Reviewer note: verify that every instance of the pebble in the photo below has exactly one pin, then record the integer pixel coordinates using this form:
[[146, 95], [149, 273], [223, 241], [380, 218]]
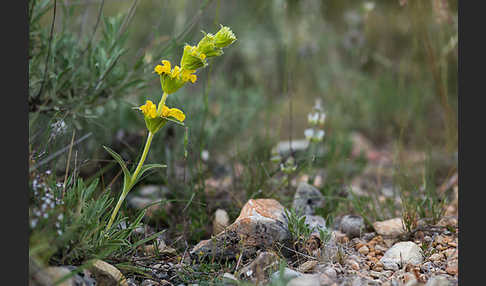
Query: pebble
[[390, 228], [307, 266], [364, 250], [309, 280], [452, 267], [287, 274], [107, 274], [438, 281], [351, 225], [307, 199], [436, 257], [354, 265], [330, 272], [402, 253], [221, 220]]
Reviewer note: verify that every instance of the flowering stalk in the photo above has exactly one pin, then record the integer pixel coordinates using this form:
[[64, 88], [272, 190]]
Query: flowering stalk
[[171, 80], [127, 188]]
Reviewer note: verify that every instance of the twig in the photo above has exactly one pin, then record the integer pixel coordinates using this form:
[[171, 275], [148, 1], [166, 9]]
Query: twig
[[100, 11], [67, 164], [48, 159], [48, 52]]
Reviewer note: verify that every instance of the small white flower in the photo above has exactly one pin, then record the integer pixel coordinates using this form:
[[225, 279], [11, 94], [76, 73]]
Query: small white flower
[[312, 118], [205, 155], [59, 232], [320, 135], [45, 215], [33, 223], [322, 118], [369, 6], [60, 216], [309, 133]]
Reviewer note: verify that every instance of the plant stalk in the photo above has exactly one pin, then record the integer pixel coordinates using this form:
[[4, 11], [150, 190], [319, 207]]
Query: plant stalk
[[128, 187]]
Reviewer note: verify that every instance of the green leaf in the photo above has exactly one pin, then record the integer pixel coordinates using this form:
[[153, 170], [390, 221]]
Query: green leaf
[[120, 161], [146, 168]]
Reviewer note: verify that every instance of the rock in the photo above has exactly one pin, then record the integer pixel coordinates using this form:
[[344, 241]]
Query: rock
[[402, 253], [263, 262], [148, 282], [307, 266], [436, 257], [448, 221], [353, 264], [389, 228], [306, 199], [261, 223], [162, 248], [221, 220], [310, 280], [364, 250], [330, 272], [412, 282], [107, 274], [452, 267], [229, 276], [287, 274], [316, 222], [57, 273], [438, 281], [351, 225]]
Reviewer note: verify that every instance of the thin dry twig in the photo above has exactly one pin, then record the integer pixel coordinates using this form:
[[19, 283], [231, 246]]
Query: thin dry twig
[[67, 163]]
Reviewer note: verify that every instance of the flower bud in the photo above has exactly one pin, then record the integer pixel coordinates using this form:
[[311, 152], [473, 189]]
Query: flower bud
[[224, 37], [192, 58], [208, 47]]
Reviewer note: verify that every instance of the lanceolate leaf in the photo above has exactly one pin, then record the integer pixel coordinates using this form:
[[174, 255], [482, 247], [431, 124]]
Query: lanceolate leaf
[[120, 161], [146, 168]]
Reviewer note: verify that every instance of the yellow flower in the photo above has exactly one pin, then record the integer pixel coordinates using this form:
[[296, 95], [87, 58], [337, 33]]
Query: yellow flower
[[187, 75], [175, 72], [173, 112], [149, 109], [163, 69]]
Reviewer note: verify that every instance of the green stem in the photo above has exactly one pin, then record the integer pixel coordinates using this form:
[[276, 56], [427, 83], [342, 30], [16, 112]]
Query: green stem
[[128, 187], [161, 103]]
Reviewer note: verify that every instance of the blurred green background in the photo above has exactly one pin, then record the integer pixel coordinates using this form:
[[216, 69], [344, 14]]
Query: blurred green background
[[386, 69]]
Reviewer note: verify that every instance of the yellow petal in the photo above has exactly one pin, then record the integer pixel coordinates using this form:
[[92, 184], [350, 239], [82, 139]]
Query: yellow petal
[[165, 111], [177, 114], [175, 72], [193, 78], [159, 69], [149, 109]]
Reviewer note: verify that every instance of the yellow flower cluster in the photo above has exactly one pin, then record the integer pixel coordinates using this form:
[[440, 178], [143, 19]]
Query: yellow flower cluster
[[193, 58], [176, 72], [149, 109]]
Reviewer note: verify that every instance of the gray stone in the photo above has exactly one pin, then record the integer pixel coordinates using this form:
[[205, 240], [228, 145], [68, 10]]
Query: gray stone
[[316, 222], [389, 228], [107, 274], [229, 276], [307, 198], [402, 253], [310, 280], [261, 224], [287, 274], [330, 272], [438, 281], [351, 225], [263, 261]]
